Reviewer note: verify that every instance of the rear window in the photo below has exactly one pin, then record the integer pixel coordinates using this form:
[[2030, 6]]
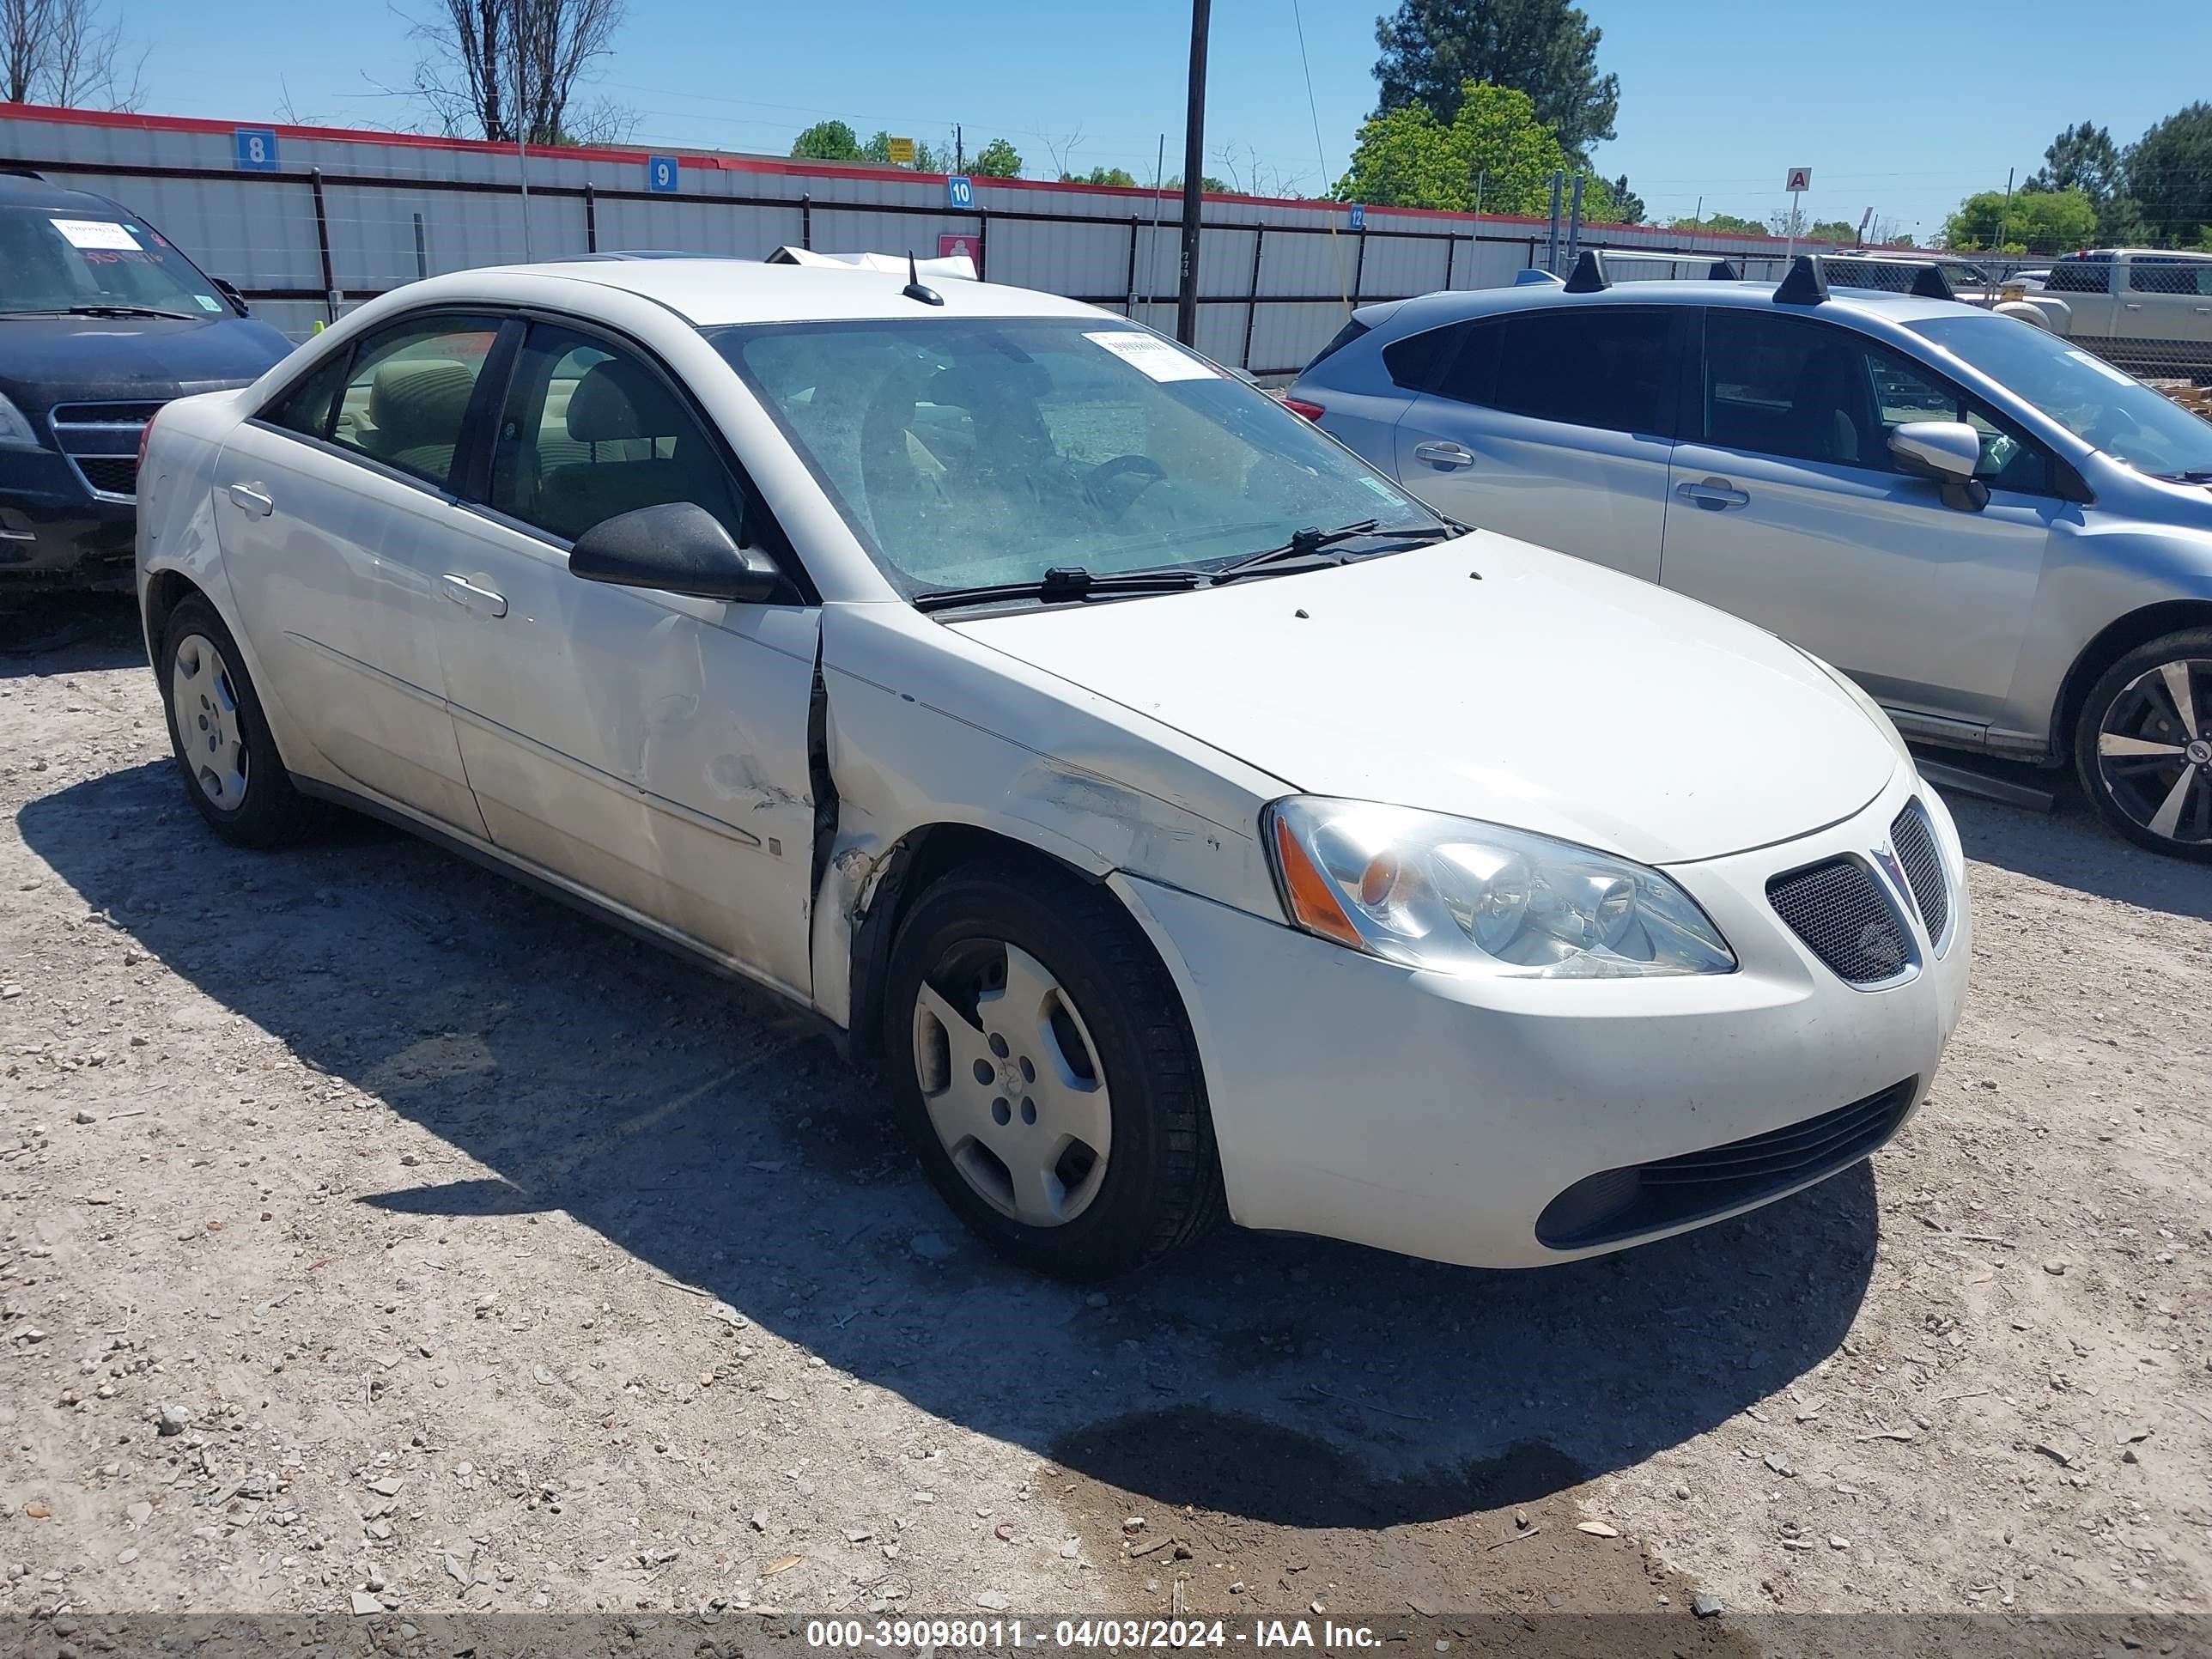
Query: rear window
[[2078, 276], [1343, 337], [1418, 362], [1593, 366]]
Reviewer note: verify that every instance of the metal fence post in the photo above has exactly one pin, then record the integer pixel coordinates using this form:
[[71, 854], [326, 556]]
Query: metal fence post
[[323, 242], [806, 218], [1131, 309], [1359, 266], [591, 219], [1252, 307], [1451, 251]]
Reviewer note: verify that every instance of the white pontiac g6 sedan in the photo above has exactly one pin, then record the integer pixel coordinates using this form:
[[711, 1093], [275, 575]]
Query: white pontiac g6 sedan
[[1190, 820]]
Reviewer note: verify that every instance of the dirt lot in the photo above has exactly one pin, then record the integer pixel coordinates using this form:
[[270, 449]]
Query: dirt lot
[[479, 1257]]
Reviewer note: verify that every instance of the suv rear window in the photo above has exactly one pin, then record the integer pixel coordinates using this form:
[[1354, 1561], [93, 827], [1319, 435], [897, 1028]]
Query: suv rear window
[[1418, 362], [1343, 337]]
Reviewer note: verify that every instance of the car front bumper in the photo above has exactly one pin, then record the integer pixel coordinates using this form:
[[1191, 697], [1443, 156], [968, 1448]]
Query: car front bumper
[[55, 533], [1441, 1117]]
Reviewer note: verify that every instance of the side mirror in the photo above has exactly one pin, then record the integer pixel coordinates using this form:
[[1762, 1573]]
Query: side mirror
[[229, 291], [678, 547], [1947, 452]]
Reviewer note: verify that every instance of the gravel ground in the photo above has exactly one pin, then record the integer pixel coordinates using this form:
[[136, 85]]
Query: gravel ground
[[378, 1235]]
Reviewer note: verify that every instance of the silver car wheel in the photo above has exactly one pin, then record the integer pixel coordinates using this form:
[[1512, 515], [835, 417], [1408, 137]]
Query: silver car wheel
[[1013, 1084], [204, 704], [2154, 750]]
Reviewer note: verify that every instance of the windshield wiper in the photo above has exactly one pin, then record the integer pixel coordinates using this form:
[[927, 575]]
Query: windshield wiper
[[1309, 542], [1063, 584], [2194, 475], [101, 310]]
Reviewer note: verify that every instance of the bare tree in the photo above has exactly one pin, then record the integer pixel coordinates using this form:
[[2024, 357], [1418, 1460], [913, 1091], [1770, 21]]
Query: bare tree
[[60, 51], [501, 69]]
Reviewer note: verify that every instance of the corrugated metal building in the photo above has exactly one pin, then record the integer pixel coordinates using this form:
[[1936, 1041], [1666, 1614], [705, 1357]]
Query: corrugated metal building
[[308, 221]]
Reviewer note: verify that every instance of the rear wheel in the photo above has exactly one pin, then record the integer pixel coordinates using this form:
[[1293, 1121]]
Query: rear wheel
[[1046, 1074], [231, 768], [2144, 746]]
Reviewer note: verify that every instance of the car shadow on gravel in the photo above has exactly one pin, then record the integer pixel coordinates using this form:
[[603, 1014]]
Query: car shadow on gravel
[[68, 633], [718, 1140], [2070, 847]]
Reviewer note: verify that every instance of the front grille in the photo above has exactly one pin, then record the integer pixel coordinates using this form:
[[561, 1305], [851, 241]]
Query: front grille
[[1914, 838], [1646, 1198], [1839, 910], [101, 441], [112, 475]]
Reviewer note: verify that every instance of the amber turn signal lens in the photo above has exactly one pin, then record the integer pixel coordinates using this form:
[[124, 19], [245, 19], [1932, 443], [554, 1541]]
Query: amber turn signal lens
[[1313, 903]]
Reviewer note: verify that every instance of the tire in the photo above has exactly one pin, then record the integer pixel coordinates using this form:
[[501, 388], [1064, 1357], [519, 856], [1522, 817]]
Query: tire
[[979, 935], [2150, 778], [226, 756]]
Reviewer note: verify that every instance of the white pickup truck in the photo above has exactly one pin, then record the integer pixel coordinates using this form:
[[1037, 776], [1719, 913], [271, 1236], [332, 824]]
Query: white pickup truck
[[2148, 311]]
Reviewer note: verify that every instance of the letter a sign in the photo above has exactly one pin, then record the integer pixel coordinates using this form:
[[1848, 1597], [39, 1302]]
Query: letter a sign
[[1800, 179]]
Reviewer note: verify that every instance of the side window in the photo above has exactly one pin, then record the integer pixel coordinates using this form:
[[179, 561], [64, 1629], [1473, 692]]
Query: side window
[[312, 404], [1593, 366], [407, 391], [1789, 386], [2147, 276], [2079, 277], [590, 432], [1419, 361]]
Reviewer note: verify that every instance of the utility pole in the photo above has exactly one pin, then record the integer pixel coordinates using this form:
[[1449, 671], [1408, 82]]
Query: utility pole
[[959, 151], [522, 156], [1193, 172], [2004, 219]]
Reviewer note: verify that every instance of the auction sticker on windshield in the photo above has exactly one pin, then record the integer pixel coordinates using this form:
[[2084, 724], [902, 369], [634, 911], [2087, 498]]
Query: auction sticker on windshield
[[95, 233], [1153, 354]]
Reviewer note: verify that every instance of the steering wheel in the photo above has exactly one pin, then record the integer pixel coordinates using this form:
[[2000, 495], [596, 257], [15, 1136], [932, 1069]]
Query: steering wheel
[[1122, 466]]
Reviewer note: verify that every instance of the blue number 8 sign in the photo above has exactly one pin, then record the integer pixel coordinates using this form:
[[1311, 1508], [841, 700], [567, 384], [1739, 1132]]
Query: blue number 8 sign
[[661, 174], [257, 149]]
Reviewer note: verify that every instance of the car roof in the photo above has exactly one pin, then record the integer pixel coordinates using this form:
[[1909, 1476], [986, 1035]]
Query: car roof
[[23, 189], [708, 292], [1431, 309]]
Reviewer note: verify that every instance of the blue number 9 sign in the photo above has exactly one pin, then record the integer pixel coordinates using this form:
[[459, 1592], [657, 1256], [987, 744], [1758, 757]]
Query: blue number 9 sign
[[661, 174]]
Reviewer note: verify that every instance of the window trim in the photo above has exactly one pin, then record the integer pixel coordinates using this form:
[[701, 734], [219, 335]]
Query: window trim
[[2059, 469], [775, 540], [447, 492]]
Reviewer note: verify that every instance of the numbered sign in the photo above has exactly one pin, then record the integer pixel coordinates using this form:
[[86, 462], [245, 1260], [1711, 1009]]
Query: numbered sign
[[661, 174], [959, 193], [1800, 179], [257, 149], [1359, 215]]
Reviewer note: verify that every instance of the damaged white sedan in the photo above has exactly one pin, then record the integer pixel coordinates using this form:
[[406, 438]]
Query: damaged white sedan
[[1189, 821]]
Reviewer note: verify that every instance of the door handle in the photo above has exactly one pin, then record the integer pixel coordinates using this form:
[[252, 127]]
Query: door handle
[[2132, 305], [1714, 495], [461, 591], [1436, 453], [249, 497]]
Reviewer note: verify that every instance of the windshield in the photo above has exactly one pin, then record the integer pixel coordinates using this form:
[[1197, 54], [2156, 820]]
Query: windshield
[[55, 258], [965, 452], [2085, 394]]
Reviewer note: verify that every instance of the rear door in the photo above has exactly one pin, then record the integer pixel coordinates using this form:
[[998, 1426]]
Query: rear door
[[335, 512], [648, 747], [2165, 311], [1554, 424], [1787, 510]]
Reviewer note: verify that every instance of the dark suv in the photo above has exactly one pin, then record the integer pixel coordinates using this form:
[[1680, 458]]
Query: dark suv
[[102, 321]]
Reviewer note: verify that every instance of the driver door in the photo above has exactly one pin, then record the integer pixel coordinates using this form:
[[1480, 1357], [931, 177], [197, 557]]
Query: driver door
[[1786, 509], [648, 748]]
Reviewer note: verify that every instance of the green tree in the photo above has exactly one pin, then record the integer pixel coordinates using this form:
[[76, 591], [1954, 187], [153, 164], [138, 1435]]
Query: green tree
[[1406, 157], [1172, 184], [1100, 176], [1832, 230], [1721, 224], [828, 140], [1546, 49], [2086, 159], [997, 159], [2169, 174], [1627, 205], [2035, 221]]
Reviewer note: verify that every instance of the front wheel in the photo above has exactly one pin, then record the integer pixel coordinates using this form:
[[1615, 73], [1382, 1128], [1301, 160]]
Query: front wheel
[[1046, 1075], [2144, 746]]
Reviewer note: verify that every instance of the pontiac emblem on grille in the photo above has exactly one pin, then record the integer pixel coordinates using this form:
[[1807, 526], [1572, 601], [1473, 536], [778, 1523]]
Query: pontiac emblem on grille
[[1887, 857]]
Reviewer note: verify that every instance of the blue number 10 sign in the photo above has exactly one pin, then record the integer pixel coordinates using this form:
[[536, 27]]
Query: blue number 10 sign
[[661, 174], [959, 193]]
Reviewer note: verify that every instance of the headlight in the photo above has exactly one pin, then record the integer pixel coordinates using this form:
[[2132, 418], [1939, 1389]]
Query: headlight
[[1873, 710], [1457, 896], [15, 432]]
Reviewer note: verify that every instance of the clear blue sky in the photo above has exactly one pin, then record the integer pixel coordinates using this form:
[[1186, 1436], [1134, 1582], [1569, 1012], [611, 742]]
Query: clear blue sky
[[1902, 107]]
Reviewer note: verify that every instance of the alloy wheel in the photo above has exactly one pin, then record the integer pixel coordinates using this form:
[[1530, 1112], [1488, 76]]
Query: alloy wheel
[[1012, 1082], [205, 704], [2154, 750]]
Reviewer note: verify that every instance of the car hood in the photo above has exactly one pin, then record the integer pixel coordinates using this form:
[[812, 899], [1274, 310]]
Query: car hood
[[45, 361], [1549, 694]]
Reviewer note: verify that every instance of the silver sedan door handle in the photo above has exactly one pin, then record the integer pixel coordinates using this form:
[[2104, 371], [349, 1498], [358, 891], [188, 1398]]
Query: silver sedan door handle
[[1715, 495], [249, 497], [461, 591], [1447, 455]]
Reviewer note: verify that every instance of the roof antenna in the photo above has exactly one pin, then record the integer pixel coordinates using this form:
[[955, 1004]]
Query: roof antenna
[[914, 289]]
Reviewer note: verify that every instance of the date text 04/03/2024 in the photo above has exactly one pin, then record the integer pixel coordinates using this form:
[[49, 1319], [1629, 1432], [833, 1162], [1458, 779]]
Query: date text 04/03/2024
[[1109, 1635]]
